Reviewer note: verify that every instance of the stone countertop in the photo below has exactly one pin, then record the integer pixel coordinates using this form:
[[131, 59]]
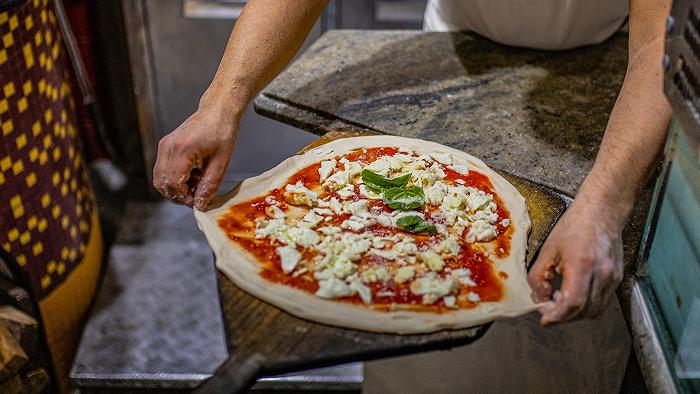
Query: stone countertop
[[539, 115]]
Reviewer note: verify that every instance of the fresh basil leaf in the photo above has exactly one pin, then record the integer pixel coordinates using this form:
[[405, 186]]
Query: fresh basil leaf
[[424, 227], [404, 198], [374, 187], [374, 180], [415, 224], [408, 222]]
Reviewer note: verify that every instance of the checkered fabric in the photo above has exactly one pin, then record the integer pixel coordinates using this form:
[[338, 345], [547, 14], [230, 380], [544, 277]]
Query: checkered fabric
[[45, 198]]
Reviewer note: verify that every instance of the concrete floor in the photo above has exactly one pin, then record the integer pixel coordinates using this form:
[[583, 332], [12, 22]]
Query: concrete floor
[[517, 356]]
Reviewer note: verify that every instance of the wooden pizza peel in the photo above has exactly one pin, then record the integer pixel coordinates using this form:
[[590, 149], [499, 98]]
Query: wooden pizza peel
[[263, 340]]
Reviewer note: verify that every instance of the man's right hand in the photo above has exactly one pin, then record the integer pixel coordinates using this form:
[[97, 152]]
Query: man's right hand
[[192, 159]]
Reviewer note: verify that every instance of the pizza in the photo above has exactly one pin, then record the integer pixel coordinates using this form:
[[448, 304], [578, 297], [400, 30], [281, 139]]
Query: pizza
[[378, 233]]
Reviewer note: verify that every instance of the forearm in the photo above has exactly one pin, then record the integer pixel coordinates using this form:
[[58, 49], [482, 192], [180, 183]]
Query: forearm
[[265, 38], [634, 136]]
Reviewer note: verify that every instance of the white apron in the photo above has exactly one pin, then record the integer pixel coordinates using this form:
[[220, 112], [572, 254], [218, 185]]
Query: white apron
[[540, 24]]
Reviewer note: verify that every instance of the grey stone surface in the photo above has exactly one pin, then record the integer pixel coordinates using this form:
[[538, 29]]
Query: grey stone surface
[[539, 115]]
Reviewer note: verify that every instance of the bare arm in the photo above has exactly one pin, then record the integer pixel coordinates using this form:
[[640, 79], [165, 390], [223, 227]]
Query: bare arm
[[192, 159], [586, 246], [637, 127]]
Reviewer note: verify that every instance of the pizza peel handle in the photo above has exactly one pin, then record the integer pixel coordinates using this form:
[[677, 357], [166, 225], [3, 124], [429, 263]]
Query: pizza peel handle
[[234, 375]]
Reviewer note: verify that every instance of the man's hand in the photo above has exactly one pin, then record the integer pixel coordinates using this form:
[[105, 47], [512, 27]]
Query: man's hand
[[585, 247], [193, 158]]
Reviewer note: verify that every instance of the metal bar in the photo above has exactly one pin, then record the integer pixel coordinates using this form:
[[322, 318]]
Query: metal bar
[[657, 373], [135, 20]]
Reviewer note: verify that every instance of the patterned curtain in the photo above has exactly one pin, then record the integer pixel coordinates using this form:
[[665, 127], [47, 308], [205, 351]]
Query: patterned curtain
[[48, 219]]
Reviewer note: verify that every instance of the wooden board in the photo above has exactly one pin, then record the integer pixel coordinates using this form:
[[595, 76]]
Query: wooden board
[[264, 340]]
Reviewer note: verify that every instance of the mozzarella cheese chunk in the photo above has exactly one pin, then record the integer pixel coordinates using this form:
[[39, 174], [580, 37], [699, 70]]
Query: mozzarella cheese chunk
[[406, 247], [275, 229], [298, 194], [449, 246], [336, 181], [303, 236], [330, 230], [385, 165], [326, 169], [373, 274], [274, 212], [363, 291], [435, 193], [481, 230], [415, 165], [333, 288], [463, 276], [432, 260], [322, 211], [353, 225], [335, 205], [490, 217], [346, 192], [385, 219], [342, 267], [450, 301], [271, 200], [432, 288], [310, 220], [355, 245], [289, 257], [426, 178], [442, 158], [473, 297], [404, 274], [385, 254], [357, 208], [461, 168], [353, 168], [477, 199]]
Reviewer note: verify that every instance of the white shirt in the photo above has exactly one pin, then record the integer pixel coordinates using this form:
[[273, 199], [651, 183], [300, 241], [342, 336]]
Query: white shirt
[[540, 24]]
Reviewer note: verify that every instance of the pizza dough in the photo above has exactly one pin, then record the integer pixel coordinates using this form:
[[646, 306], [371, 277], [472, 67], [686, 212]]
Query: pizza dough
[[239, 266]]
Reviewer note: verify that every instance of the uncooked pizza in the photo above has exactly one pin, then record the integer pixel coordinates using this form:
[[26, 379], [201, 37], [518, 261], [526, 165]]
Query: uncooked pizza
[[380, 233]]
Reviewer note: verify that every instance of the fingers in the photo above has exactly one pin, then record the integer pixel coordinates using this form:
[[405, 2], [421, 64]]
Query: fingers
[[607, 276], [542, 273], [572, 299], [172, 171], [210, 181]]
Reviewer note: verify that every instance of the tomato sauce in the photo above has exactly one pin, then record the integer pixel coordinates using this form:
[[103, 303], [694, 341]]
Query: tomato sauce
[[369, 155], [240, 221]]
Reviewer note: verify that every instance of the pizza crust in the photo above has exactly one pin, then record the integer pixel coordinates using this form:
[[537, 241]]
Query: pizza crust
[[243, 271]]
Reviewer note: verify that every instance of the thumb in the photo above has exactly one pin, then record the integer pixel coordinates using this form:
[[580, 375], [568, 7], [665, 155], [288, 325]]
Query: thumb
[[210, 181]]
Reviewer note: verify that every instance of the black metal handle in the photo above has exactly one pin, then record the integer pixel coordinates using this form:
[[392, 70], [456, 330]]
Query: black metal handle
[[235, 375]]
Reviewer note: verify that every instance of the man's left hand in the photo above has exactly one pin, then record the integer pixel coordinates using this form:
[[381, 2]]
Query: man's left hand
[[585, 247]]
